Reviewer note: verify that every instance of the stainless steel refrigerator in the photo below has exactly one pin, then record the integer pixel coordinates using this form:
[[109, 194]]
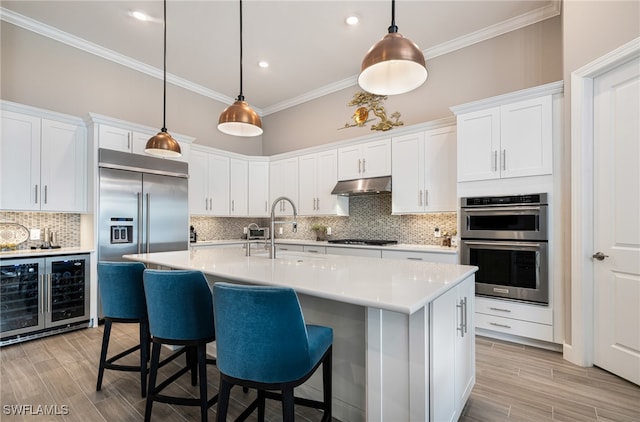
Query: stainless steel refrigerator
[[143, 205]]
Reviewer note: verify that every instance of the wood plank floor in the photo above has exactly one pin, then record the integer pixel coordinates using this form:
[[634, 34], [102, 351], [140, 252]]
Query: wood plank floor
[[514, 382]]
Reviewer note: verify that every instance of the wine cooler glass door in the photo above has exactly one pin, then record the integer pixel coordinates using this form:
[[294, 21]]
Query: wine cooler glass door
[[21, 296]]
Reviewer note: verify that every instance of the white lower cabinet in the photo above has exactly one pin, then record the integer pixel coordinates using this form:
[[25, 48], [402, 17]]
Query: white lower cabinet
[[519, 319], [447, 258], [369, 253], [452, 346], [315, 249]]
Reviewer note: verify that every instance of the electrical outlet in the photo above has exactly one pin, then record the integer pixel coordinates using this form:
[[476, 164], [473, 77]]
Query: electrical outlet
[[280, 230], [34, 234], [436, 232], [329, 231]]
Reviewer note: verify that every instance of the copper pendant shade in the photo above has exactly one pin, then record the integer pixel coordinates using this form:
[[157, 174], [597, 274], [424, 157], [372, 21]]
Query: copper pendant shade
[[239, 119], [394, 65], [163, 144]]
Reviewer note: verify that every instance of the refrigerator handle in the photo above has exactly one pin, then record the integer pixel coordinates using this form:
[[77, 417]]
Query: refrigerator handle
[[139, 196], [148, 226]]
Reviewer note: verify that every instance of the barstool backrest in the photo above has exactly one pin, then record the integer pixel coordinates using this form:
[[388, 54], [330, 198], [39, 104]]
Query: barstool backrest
[[179, 305], [261, 333], [121, 289]]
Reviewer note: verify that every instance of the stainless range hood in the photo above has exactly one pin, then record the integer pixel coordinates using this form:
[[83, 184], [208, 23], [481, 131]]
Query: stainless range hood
[[369, 186]]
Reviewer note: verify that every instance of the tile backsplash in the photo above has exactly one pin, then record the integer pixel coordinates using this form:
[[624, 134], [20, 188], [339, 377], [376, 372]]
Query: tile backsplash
[[66, 226], [369, 218]]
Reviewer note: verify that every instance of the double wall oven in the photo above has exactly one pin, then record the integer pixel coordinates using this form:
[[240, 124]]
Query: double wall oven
[[506, 237]]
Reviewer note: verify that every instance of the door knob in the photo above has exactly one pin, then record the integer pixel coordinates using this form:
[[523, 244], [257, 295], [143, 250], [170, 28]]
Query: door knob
[[599, 256]]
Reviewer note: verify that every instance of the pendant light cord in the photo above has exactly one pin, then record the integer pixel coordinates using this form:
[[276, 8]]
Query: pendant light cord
[[393, 28], [164, 93], [240, 97]]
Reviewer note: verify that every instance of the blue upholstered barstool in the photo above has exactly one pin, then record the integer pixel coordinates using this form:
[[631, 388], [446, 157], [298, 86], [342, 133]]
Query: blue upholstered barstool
[[263, 343], [180, 310], [122, 297]]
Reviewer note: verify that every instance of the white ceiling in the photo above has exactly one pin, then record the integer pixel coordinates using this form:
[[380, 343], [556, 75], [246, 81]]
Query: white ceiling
[[311, 50]]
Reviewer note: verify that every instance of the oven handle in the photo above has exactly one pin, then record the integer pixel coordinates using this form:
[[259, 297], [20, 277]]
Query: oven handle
[[500, 209], [500, 243]]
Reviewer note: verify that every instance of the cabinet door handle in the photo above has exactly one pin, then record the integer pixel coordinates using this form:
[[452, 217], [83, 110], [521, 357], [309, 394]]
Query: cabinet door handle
[[233, 205], [129, 141], [420, 197], [283, 249], [139, 198], [414, 258], [317, 204], [313, 251], [46, 196], [206, 204], [426, 197], [36, 194], [499, 325], [460, 326], [265, 206], [465, 315], [504, 160], [494, 160], [49, 296], [148, 230], [364, 165], [359, 165], [499, 309], [210, 204]]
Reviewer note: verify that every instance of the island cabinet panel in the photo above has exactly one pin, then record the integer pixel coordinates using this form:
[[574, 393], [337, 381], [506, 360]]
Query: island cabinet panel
[[453, 351]]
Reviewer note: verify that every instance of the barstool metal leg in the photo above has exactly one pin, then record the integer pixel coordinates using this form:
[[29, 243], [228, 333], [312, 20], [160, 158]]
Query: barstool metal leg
[[202, 365], [144, 356], [287, 404], [326, 384]]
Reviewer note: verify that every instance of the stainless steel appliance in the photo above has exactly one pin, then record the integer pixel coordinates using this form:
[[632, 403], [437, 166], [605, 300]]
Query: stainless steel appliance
[[370, 242], [258, 233], [143, 205], [506, 237], [43, 296]]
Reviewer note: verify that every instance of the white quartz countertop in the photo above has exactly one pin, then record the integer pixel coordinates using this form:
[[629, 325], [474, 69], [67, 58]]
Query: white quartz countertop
[[398, 247], [28, 253], [400, 286]]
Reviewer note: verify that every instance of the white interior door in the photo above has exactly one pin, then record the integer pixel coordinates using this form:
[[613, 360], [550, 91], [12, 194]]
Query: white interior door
[[617, 221]]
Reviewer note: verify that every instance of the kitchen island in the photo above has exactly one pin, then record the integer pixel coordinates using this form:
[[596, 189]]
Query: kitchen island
[[404, 344]]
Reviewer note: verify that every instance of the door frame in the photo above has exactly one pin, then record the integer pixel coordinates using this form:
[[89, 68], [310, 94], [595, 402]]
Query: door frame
[[580, 350]]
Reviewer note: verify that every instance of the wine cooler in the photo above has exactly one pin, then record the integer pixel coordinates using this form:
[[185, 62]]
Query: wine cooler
[[43, 296]]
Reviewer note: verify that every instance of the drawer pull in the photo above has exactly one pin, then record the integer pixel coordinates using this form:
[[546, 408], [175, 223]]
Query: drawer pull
[[500, 325], [413, 258], [500, 309]]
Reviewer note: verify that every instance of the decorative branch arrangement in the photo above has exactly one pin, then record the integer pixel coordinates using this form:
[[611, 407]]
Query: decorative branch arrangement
[[372, 103]]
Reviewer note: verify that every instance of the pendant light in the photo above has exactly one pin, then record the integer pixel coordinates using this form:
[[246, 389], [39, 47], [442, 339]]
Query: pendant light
[[239, 119], [163, 144], [394, 65]]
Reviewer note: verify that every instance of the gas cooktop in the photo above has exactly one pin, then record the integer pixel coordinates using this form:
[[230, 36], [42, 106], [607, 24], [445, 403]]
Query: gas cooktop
[[372, 242]]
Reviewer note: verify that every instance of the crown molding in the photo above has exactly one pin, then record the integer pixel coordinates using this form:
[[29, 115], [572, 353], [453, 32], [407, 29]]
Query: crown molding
[[484, 34]]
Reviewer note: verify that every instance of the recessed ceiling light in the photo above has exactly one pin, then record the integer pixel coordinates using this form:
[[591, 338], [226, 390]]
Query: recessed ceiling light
[[263, 64], [141, 16], [352, 20]]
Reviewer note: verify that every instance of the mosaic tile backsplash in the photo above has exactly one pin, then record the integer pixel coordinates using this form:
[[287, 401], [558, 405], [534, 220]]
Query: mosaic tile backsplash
[[66, 226], [369, 218]]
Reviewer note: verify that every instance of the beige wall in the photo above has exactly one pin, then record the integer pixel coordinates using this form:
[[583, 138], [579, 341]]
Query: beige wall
[[521, 59], [44, 73]]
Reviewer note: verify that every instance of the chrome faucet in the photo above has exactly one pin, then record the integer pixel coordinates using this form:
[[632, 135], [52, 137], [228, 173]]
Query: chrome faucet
[[272, 250], [248, 245]]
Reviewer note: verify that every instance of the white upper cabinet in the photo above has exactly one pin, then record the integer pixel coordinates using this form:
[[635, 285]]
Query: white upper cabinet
[[283, 181], [509, 140], [424, 172], [318, 174], [239, 187], [370, 159], [123, 136], [43, 163], [259, 188], [208, 184]]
